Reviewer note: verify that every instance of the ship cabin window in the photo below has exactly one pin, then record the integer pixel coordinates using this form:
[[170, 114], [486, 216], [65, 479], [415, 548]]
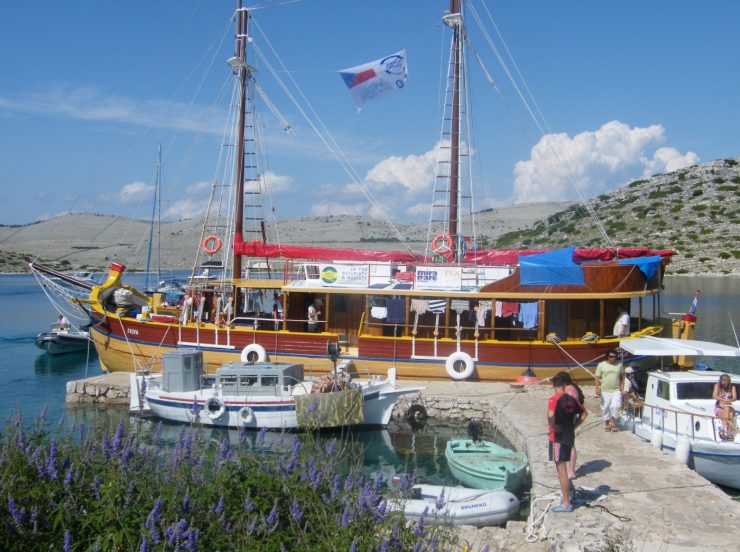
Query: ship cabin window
[[664, 390], [694, 390], [248, 381], [228, 384], [270, 381]]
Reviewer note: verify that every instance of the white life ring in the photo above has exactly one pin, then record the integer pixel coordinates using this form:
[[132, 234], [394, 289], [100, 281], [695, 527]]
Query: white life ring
[[214, 408], [457, 360], [245, 415], [249, 352]]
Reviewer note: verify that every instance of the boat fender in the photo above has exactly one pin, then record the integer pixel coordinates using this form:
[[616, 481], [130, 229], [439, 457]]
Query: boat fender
[[253, 353], [214, 408], [211, 244], [442, 244], [416, 415], [683, 450], [459, 366], [245, 415], [656, 439]]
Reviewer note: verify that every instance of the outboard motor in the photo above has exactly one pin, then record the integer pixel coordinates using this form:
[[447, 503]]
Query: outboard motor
[[475, 431]]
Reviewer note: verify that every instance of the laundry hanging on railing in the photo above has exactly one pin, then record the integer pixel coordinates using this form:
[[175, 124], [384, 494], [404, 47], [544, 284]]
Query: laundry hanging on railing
[[459, 305], [396, 310], [379, 312], [437, 306], [419, 305], [528, 315]]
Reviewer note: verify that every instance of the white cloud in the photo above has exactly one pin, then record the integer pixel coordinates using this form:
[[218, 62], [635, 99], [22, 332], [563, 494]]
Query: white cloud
[[186, 208], [91, 104], [415, 173], [594, 161], [668, 160], [272, 182], [136, 192]]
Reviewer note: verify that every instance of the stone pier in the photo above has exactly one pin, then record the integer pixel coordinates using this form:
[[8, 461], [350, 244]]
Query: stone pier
[[106, 389]]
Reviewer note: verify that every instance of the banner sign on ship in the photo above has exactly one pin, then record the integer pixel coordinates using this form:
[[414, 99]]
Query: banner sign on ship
[[438, 278], [342, 275], [376, 79]]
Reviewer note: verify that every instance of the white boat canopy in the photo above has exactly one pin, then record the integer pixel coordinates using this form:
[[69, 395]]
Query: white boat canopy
[[664, 346]]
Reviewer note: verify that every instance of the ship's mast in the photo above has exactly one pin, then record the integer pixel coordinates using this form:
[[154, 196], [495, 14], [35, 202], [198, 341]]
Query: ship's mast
[[455, 19], [239, 64]]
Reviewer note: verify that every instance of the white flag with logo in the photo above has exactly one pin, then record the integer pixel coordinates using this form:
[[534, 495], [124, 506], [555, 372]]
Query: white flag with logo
[[376, 79]]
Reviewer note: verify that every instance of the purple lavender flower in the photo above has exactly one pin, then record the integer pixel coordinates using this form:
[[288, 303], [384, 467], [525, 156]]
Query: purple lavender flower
[[220, 506], [144, 545], [249, 505], [118, 437], [295, 512], [153, 518], [158, 432], [353, 547], [67, 541], [15, 513], [69, 478], [419, 528], [51, 461], [440, 500], [96, 487], [313, 406], [380, 512], [349, 482], [260, 437], [191, 536], [331, 446], [34, 518], [384, 546], [418, 547], [345, 518], [142, 392], [335, 486], [484, 549], [272, 518], [83, 432], [186, 503]]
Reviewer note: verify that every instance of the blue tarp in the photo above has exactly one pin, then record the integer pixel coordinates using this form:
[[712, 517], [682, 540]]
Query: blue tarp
[[647, 265], [550, 269]]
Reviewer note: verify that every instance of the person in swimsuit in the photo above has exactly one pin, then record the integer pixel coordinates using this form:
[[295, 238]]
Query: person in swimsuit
[[725, 394]]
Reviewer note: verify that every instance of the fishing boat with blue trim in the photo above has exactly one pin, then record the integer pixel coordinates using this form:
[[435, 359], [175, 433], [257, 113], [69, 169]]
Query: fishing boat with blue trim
[[271, 395]]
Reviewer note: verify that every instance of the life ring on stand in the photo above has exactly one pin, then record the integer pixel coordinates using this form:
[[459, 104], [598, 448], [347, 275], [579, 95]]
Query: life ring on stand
[[212, 249], [442, 244], [253, 353], [214, 408], [245, 415], [459, 365]]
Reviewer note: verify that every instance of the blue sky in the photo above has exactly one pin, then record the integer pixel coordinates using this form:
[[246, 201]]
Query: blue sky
[[89, 89]]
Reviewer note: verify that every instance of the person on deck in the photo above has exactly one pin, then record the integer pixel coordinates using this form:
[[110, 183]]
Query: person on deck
[[609, 382], [564, 415], [725, 394], [314, 313], [277, 310], [622, 325]]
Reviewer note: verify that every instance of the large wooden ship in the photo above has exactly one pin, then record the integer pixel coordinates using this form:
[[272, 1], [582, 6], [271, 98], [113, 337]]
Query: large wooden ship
[[455, 311]]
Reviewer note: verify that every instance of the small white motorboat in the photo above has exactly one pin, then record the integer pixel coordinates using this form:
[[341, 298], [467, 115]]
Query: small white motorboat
[[458, 505], [678, 411], [61, 340], [272, 395]]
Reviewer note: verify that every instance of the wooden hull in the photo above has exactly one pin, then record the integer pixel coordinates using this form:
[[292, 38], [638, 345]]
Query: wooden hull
[[127, 345]]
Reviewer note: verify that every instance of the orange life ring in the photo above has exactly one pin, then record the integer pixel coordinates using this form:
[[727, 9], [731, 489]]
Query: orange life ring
[[442, 243], [217, 244]]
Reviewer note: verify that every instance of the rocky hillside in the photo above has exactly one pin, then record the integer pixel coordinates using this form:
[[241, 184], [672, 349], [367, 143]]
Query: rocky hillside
[[694, 210]]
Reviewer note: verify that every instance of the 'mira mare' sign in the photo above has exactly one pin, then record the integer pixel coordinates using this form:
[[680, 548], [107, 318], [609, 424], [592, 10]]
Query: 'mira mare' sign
[[438, 278]]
